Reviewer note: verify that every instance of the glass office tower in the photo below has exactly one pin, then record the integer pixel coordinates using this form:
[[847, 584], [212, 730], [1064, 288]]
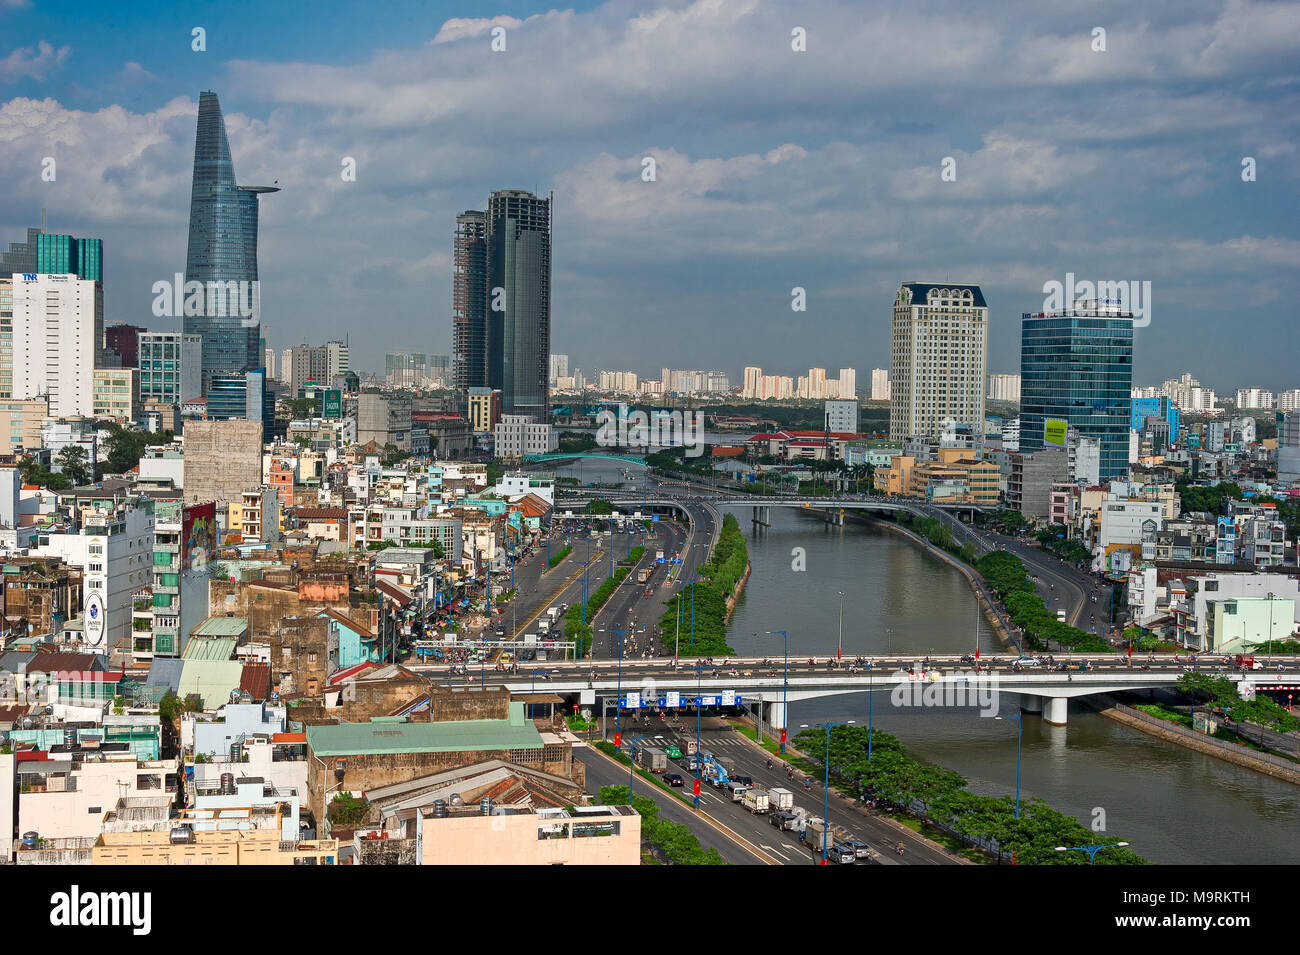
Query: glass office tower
[[222, 249], [519, 328], [1077, 366], [65, 255]]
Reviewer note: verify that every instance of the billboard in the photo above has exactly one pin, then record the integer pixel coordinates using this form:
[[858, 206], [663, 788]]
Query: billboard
[[198, 535], [1054, 431], [333, 403], [95, 621]]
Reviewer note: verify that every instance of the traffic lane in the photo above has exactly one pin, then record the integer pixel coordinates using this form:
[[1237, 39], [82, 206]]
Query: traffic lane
[[601, 772], [1040, 567], [727, 743], [874, 831], [756, 827]]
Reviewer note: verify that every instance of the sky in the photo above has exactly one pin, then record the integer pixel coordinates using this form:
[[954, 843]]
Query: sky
[[917, 140]]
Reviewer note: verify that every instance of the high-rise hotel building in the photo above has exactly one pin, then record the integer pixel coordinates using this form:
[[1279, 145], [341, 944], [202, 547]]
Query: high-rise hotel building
[[939, 360]]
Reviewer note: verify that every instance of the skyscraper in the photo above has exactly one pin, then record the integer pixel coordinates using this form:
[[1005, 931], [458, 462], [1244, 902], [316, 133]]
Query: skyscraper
[[939, 359], [66, 255], [21, 256], [519, 301], [222, 249], [469, 303], [501, 301], [1076, 366]]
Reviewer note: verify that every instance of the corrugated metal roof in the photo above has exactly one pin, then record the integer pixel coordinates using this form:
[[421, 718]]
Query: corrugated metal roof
[[212, 680], [388, 737], [210, 648], [221, 627], [164, 671]]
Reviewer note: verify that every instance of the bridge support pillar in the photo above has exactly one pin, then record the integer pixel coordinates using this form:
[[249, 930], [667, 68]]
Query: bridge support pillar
[[1057, 707], [1031, 704], [776, 716]]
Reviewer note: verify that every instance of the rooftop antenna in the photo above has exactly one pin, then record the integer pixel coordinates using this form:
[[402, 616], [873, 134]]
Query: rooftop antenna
[[42, 219]]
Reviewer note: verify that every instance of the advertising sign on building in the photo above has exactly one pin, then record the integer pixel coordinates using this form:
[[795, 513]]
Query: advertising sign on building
[[1054, 431], [198, 535], [95, 621], [333, 403]]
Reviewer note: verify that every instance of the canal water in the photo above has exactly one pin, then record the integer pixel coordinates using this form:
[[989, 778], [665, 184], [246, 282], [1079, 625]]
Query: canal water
[[1172, 804]]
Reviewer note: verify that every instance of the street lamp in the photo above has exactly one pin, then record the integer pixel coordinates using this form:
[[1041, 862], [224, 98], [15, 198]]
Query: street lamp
[[699, 706], [785, 686], [826, 786], [1091, 850], [839, 653], [1020, 726]]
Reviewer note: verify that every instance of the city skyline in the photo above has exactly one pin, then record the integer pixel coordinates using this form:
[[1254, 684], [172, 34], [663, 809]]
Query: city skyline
[[703, 252]]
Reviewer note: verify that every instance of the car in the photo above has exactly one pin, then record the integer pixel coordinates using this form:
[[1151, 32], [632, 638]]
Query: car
[[674, 779], [842, 854], [743, 780], [782, 819], [1025, 662], [672, 752], [860, 849]]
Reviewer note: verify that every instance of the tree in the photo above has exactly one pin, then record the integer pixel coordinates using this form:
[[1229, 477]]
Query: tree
[[73, 462]]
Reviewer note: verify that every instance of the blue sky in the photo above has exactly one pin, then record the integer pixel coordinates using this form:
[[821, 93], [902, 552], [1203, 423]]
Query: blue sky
[[775, 168]]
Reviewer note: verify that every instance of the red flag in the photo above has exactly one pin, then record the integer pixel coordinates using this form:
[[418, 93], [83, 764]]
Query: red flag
[[839, 653], [977, 653], [1130, 651]]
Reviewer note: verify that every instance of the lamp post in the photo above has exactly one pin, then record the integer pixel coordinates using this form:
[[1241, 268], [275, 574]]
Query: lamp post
[[618, 693], [699, 707], [871, 685], [826, 786], [1091, 850], [839, 653], [1019, 733], [785, 686]]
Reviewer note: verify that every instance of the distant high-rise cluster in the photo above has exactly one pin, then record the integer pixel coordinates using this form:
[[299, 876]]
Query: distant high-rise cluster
[[813, 386], [694, 382], [1004, 388], [415, 371], [501, 301]]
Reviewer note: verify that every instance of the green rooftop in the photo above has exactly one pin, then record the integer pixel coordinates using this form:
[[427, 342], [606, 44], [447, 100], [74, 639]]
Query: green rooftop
[[222, 627], [389, 737], [210, 648]]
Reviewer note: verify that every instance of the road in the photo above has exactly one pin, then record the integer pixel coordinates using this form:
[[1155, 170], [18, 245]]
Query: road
[[717, 737], [1062, 586], [602, 772]]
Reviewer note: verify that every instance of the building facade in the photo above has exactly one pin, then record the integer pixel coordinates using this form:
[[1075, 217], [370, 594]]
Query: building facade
[[1076, 366], [58, 335], [939, 359]]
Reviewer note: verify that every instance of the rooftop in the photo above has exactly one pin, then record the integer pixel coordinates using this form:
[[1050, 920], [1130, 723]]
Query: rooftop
[[391, 736]]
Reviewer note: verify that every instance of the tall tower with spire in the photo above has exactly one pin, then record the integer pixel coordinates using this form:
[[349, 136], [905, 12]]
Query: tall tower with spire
[[222, 250]]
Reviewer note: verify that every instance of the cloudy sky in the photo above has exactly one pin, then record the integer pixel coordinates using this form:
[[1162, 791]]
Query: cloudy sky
[[775, 168]]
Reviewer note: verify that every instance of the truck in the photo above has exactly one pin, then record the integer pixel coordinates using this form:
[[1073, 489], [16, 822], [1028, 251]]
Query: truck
[[552, 613], [543, 626], [652, 758], [1060, 615], [1247, 662], [715, 771], [782, 799], [659, 557], [755, 800], [812, 834], [643, 575]]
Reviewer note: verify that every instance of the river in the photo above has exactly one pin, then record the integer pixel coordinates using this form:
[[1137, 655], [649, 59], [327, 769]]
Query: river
[[1174, 805]]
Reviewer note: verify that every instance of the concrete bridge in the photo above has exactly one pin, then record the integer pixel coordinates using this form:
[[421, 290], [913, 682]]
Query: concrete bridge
[[950, 683]]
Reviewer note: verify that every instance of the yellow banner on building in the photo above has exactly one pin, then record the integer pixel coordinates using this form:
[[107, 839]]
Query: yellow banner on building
[[1054, 431]]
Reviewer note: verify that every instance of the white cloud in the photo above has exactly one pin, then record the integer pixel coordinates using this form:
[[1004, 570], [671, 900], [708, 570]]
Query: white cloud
[[36, 62]]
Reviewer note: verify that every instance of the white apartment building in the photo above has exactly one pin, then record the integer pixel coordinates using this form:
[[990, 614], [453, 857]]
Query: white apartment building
[[115, 551], [1288, 400], [1128, 519], [1004, 388], [58, 341], [1011, 434], [848, 384], [625, 381], [939, 359], [842, 416], [521, 435], [880, 384], [1256, 399]]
